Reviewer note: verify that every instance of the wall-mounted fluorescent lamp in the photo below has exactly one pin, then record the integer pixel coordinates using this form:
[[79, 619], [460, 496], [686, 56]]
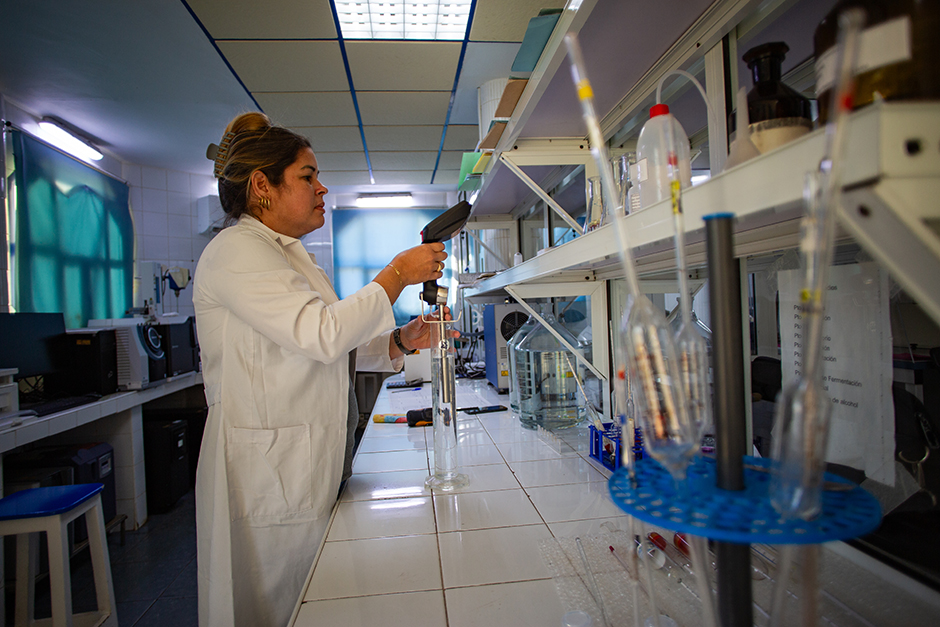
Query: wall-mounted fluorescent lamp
[[50, 131], [385, 201]]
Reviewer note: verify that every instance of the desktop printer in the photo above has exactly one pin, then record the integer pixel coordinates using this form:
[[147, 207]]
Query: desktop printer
[[140, 357]]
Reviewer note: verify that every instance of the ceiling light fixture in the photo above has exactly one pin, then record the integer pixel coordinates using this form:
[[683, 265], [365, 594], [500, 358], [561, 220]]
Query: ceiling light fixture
[[385, 201], [54, 133], [382, 19]]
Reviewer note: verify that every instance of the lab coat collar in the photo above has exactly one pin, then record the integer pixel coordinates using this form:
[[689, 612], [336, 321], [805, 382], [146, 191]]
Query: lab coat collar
[[253, 222]]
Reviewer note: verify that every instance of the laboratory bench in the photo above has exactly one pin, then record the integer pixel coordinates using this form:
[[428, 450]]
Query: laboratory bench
[[116, 419], [397, 554]]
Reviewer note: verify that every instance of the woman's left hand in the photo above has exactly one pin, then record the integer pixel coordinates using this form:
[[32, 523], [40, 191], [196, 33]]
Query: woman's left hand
[[417, 333]]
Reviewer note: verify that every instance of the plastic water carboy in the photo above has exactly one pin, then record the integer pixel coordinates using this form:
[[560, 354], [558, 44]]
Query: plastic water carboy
[[650, 173]]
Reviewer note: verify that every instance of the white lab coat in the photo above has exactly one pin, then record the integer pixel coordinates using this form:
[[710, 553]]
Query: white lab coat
[[274, 340]]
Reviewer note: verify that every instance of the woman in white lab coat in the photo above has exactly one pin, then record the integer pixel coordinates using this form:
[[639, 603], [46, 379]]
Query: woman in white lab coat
[[276, 344]]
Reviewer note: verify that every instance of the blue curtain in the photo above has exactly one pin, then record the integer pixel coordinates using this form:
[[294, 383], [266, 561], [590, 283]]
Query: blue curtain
[[71, 236], [365, 240]]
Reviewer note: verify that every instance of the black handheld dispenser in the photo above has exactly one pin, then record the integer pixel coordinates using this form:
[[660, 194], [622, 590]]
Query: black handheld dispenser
[[441, 229]]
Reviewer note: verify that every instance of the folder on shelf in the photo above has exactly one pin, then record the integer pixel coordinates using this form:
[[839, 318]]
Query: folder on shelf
[[492, 137], [466, 180], [533, 43], [511, 94]]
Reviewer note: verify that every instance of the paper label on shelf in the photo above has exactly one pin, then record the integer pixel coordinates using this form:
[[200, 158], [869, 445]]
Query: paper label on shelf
[[639, 171], [879, 45], [857, 364]]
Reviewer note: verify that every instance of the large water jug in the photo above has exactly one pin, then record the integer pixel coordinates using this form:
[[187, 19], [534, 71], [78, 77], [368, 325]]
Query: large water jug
[[545, 373], [517, 337]]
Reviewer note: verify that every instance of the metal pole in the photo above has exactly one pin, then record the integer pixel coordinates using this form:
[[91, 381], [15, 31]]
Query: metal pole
[[724, 279]]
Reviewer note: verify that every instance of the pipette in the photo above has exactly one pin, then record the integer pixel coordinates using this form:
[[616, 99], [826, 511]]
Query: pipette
[[692, 349], [803, 409], [668, 431]]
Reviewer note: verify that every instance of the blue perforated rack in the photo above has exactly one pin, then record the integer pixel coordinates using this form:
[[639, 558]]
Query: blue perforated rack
[[743, 517]]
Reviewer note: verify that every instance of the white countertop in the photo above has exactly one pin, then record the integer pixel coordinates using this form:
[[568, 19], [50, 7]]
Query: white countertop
[[398, 555], [32, 428]]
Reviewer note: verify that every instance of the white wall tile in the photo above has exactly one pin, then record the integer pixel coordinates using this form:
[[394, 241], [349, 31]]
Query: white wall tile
[[153, 200], [178, 203], [135, 199], [179, 248], [177, 181], [180, 226], [155, 223], [155, 248], [153, 178], [203, 185], [131, 174]]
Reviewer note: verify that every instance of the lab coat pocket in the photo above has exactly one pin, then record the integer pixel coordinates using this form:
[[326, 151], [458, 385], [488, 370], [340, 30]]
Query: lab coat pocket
[[269, 472]]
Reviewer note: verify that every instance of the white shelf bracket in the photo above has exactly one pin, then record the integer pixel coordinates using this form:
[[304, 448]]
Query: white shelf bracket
[[512, 292], [541, 193]]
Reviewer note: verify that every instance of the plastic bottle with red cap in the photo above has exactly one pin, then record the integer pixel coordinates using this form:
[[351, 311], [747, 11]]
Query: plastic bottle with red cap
[[650, 172]]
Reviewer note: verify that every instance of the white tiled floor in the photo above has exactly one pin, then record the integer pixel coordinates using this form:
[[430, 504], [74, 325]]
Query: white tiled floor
[[395, 552]]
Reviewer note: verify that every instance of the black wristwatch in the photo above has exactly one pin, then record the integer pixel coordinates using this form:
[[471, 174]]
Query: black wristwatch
[[396, 335]]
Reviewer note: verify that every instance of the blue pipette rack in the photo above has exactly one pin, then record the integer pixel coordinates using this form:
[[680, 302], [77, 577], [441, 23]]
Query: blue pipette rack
[[743, 517]]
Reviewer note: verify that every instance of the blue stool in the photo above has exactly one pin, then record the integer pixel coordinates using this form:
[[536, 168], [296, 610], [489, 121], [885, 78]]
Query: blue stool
[[50, 509]]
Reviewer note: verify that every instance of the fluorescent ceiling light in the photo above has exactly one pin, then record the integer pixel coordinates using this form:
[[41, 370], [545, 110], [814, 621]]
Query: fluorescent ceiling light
[[384, 19], [385, 201], [61, 138]]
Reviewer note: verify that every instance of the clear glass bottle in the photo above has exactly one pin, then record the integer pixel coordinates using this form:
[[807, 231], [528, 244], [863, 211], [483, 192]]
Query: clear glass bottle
[[595, 214], [548, 390], [517, 337]]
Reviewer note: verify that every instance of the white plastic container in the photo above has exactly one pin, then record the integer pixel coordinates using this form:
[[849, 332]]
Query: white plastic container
[[650, 173]]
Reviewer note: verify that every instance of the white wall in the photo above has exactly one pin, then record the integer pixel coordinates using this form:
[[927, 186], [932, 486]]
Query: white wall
[[164, 206]]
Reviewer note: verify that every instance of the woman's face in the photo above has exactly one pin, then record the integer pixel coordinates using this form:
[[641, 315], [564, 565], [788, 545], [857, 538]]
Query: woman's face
[[297, 204]]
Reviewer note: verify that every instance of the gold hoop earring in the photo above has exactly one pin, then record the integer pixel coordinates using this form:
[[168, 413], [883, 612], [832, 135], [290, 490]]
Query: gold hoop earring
[[265, 203]]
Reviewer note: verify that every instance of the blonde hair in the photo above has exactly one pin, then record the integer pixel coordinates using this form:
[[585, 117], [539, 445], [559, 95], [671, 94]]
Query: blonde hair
[[256, 144]]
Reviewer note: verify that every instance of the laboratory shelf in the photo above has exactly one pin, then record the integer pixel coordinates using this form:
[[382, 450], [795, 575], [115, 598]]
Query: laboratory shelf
[[892, 157], [744, 517]]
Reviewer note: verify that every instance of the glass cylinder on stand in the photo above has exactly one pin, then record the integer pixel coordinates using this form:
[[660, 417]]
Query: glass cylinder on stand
[[444, 408]]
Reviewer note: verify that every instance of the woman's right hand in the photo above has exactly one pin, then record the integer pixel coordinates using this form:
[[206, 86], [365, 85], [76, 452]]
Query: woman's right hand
[[421, 263]]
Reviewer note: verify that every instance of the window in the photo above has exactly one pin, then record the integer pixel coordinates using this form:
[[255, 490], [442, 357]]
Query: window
[[71, 236], [366, 240]]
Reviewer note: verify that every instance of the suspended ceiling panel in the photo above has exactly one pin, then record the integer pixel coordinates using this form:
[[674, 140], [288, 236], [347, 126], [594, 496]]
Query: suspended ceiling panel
[[499, 20], [462, 137], [482, 62], [287, 65], [141, 78], [403, 160], [342, 161], [273, 19], [398, 108], [303, 108], [402, 177], [403, 65], [404, 137], [450, 160], [331, 138], [333, 180]]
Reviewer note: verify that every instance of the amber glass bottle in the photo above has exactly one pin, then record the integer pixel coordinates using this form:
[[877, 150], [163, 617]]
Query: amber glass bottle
[[776, 112], [898, 53]]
